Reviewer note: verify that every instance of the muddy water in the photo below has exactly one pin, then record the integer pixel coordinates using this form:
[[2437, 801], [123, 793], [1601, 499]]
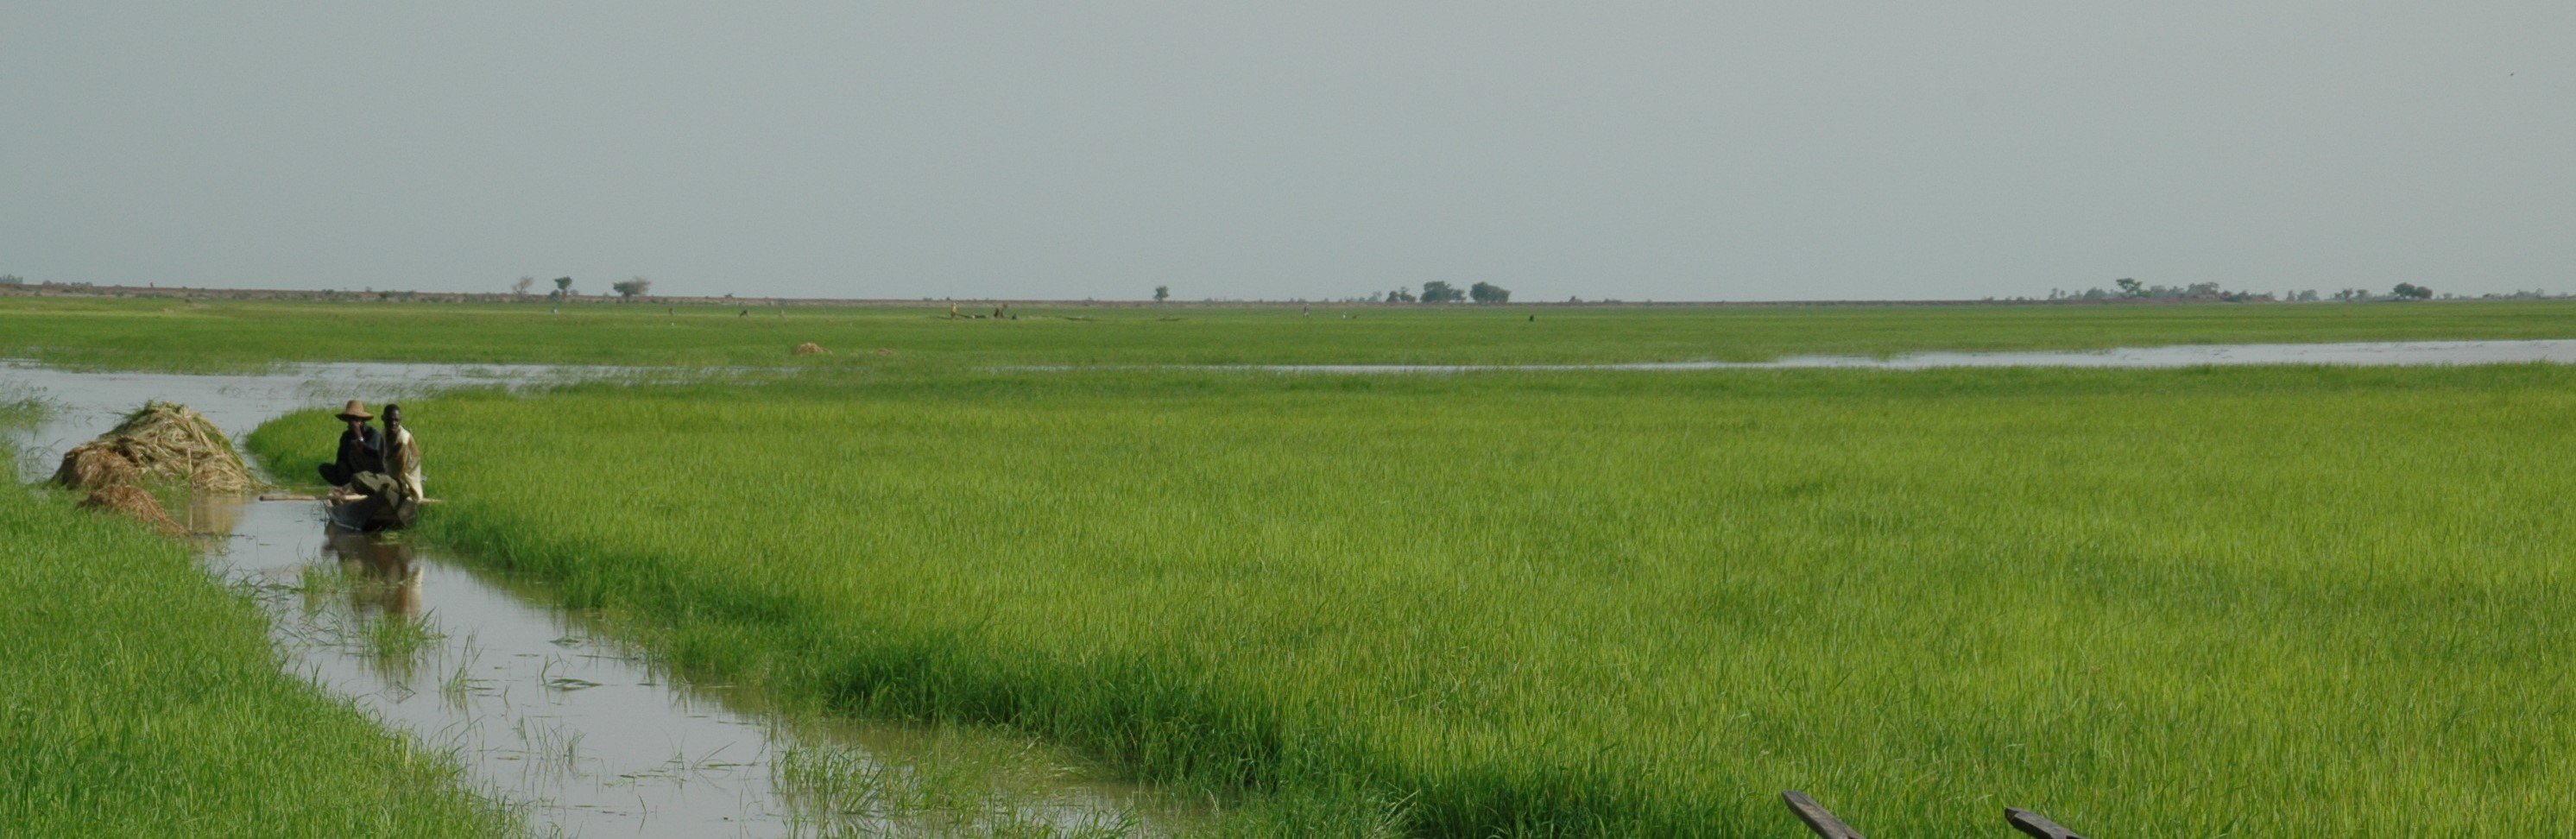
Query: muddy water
[[581, 732]]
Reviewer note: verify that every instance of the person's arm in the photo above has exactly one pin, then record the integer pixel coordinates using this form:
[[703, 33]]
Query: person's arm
[[412, 478]]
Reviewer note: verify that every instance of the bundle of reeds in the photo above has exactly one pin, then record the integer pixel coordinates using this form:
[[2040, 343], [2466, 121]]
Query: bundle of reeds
[[133, 501], [95, 464], [162, 441]]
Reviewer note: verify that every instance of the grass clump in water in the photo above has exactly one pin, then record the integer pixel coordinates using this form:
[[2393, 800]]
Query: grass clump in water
[[948, 785]]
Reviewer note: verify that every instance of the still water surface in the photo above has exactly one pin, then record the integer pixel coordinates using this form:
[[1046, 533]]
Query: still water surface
[[2377, 353]]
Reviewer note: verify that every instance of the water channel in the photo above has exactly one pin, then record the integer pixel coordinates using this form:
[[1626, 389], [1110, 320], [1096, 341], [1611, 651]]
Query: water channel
[[549, 712]]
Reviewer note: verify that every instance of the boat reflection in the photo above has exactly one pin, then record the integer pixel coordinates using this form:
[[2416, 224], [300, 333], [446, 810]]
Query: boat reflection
[[387, 579]]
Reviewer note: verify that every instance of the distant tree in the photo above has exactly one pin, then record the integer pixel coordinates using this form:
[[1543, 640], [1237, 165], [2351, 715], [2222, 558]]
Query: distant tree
[[1489, 293], [1437, 291], [12, 279], [521, 287], [2129, 287], [563, 287], [1399, 296], [1162, 293], [633, 288], [2411, 291]]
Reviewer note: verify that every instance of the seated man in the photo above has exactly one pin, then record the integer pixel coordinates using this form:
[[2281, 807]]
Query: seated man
[[392, 493], [361, 449], [402, 455]]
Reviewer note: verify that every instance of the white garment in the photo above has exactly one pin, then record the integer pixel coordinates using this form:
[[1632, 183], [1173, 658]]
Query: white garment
[[404, 455]]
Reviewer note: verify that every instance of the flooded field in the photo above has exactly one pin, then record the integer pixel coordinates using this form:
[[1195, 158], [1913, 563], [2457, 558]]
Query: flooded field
[[2373, 353], [83, 404], [1711, 594], [582, 732]]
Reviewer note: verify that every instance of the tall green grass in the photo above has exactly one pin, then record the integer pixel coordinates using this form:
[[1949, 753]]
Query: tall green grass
[[2254, 601], [163, 334], [139, 698], [20, 406]]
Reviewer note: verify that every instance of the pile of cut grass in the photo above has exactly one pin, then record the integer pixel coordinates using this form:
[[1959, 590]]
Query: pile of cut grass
[[2276, 601], [139, 698], [173, 444]]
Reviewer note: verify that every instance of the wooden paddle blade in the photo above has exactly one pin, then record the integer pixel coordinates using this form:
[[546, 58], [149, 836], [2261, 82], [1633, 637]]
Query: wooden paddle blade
[[2037, 825], [1818, 819]]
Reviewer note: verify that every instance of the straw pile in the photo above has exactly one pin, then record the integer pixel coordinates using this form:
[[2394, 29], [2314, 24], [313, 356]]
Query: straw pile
[[811, 348], [93, 465], [133, 501], [159, 442]]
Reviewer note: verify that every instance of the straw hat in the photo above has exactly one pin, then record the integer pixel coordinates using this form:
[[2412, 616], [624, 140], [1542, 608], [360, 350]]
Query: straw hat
[[356, 412]]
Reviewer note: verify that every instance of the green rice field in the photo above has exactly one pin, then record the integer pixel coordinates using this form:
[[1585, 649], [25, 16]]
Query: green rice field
[[139, 698], [2210, 601], [2254, 601]]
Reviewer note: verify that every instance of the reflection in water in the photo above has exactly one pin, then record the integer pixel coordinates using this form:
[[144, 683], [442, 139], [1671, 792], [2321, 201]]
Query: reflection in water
[[383, 579], [210, 514], [595, 739]]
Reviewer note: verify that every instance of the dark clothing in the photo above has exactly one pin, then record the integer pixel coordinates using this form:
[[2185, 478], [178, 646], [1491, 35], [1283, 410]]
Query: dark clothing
[[362, 450], [387, 504]]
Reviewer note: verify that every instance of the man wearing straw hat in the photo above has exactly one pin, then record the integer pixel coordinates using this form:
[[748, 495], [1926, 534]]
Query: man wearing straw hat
[[361, 448], [388, 495]]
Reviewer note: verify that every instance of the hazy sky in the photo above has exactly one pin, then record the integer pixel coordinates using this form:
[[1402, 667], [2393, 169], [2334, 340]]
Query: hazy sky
[[1664, 151]]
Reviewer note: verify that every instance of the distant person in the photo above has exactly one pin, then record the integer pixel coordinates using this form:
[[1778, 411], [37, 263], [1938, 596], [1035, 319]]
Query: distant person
[[361, 448]]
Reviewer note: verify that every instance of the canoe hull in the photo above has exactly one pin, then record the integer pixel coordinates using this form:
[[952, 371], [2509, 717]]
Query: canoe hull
[[368, 514]]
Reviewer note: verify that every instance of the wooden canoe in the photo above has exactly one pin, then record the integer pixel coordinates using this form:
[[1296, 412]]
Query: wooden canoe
[[364, 514]]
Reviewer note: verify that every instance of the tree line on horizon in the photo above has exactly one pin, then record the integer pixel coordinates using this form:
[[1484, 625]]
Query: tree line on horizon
[[629, 289], [1435, 291], [2128, 288]]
